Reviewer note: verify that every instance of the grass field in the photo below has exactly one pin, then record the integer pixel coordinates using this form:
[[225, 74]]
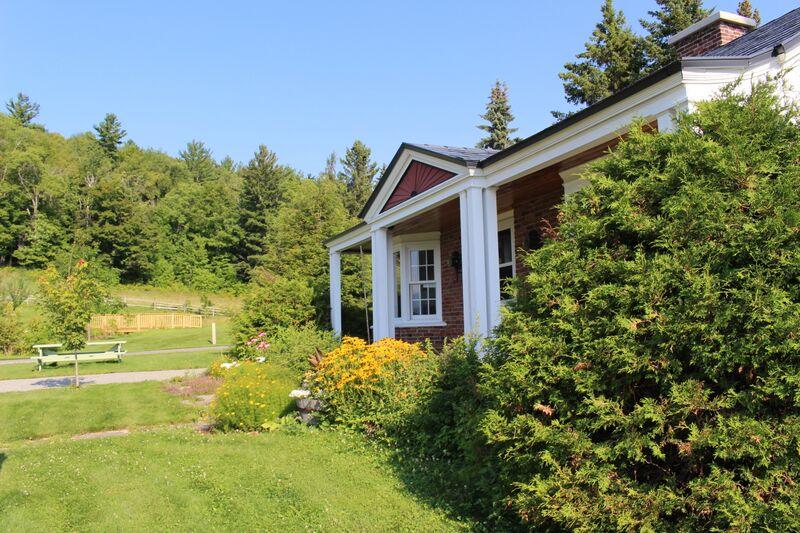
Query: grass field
[[69, 411], [178, 296], [161, 339], [179, 480], [133, 363]]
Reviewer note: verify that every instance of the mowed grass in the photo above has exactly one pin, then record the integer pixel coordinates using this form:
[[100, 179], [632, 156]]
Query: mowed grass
[[133, 363], [69, 411], [179, 480], [164, 339], [177, 296]]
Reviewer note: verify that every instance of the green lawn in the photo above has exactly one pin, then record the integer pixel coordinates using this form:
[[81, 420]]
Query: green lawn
[[133, 363], [160, 339], [179, 480], [30, 415]]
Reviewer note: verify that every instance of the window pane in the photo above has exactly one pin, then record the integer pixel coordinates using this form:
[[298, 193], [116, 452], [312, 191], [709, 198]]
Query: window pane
[[505, 246], [506, 275], [416, 307]]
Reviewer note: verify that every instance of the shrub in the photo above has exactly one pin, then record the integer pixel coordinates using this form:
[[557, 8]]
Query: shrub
[[373, 386], [273, 303], [12, 336], [647, 377], [292, 346], [253, 396]]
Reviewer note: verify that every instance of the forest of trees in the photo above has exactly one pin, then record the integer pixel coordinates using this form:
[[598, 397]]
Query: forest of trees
[[193, 221]]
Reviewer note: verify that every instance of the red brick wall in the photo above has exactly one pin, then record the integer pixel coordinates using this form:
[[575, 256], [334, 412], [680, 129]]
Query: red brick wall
[[709, 38], [452, 297], [536, 212]]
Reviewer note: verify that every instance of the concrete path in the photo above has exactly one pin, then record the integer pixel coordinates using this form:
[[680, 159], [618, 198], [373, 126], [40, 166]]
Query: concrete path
[[221, 348], [24, 385]]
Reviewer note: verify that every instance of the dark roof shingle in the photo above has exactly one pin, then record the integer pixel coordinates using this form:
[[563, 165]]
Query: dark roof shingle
[[761, 39], [470, 156]]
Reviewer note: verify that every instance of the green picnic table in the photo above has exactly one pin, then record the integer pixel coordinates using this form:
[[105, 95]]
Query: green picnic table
[[50, 353]]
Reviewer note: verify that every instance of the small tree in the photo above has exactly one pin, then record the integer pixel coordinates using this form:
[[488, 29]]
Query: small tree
[[110, 134], [613, 59], [12, 336], [69, 302], [746, 10], [199, 161], [499, 118], [22, 109], [671, 17], [358, 176], [15, 290]]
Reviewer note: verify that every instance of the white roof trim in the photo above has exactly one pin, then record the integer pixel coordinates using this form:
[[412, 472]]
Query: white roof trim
[[712, 18]]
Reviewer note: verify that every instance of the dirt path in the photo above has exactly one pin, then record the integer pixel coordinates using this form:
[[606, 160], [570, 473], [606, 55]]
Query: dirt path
[[24, 385], [222, 348]]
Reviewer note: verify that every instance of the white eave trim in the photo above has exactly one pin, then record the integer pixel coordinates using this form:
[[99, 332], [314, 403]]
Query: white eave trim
[[350, 239]]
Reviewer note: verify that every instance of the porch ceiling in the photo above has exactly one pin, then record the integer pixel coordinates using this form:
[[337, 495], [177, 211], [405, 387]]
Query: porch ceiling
[[436, 219]]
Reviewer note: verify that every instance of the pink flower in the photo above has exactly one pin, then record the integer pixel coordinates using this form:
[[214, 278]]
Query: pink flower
[[261, 334]]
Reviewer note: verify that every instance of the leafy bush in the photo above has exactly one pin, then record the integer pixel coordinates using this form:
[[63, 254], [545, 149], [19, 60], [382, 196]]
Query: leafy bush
[[292, 346], [253, 396], [273, 303], [12, 335], [648, 376], [373, 386]]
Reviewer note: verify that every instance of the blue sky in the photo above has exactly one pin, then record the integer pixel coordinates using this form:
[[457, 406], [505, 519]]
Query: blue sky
[[303, 77]]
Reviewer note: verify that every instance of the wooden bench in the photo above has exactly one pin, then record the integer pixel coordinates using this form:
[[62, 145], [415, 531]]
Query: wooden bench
[[49, 354]]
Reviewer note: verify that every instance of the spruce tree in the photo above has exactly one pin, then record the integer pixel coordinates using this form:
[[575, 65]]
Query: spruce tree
[[613, 59], [746, 10], [265, 185], [671, 17], [499, 117], [198, 161], [357, 176], [330, 168], [22, 109], [110, 134]]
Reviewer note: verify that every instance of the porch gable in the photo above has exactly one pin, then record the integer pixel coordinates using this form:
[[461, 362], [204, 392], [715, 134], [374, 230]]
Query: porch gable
[[417, 178]]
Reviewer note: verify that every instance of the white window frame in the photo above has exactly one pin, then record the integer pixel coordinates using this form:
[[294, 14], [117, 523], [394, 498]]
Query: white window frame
[[404, 244], [505, 221]]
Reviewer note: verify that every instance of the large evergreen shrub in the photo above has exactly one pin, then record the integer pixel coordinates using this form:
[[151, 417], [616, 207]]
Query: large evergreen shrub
[[648, 376]]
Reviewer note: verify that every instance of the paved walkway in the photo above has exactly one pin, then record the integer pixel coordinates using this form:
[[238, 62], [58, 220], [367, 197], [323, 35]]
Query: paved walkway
[[222, 348], [23, 385]]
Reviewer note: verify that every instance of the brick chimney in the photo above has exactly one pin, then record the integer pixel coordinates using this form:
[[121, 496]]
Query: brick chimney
[[717, 29]]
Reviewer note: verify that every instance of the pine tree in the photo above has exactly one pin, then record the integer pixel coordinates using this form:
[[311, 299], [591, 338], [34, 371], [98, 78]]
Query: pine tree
[[110, 134], [357, 175], [671, 17], [265, 185], [198, 161], [499, 117], [22, 109], [614, 58], [330, 168], [746, 10]]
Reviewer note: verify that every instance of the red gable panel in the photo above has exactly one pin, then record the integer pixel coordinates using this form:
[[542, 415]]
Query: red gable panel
[[417, 178]]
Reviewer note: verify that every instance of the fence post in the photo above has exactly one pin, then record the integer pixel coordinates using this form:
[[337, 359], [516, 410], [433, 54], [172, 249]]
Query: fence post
[[214, 333]]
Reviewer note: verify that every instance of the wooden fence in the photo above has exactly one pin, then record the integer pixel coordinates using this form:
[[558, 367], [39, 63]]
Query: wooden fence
[[165, 306], [142, 322]]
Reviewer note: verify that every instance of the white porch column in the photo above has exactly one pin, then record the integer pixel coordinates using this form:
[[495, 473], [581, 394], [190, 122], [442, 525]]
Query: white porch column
[[492, 258], [473, 260], [336, 291], [381, 308]]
